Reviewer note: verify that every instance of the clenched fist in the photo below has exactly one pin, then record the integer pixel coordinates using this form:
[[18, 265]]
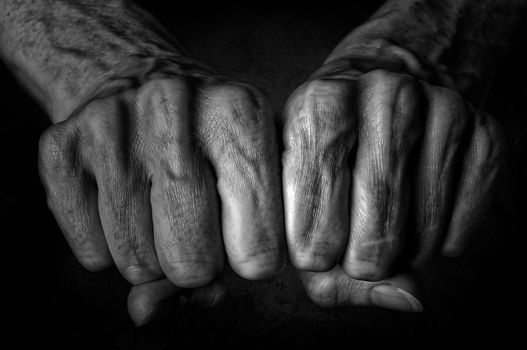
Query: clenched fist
[[155, 162], [164, 176], [373, 166]]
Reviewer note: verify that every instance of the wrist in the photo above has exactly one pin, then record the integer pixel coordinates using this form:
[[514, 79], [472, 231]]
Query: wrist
[[356, 56], [453, 43], [63, 101], [66, 52]]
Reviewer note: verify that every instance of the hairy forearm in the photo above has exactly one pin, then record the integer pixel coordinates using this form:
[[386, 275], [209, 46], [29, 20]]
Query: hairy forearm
[[455, 43], [65, 51]]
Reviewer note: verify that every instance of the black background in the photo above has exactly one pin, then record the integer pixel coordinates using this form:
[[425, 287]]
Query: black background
[[47, 298]]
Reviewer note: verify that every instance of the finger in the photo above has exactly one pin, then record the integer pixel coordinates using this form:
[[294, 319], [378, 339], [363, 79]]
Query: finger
[[445, 129], [319, 135], [122, 184], [244, 152], [336, 288], [183, 197], [477, 184], [154, 300], [72, 196], [389, 127]]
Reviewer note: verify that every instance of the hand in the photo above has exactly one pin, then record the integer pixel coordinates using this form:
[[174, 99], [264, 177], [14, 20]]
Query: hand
[[165, 176], [373, 164]]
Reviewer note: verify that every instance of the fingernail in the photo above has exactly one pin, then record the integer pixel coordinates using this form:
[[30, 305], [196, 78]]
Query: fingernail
[[394, 298]]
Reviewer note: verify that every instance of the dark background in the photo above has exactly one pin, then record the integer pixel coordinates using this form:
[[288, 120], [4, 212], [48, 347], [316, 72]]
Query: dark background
[[47, 298]]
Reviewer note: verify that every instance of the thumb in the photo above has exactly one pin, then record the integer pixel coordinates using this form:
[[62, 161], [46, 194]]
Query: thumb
[[152, 300], [336, 288]]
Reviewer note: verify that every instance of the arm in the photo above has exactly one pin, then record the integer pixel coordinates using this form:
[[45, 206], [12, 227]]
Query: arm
[[66, 52]]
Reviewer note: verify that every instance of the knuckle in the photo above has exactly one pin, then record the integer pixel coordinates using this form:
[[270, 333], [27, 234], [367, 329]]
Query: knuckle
[[164, 87], [319, 121], [191, 274], [316, 242], [57, 150], [51, 144], [95, 263], [380, 78], [260, 266], [165, 102], [237, 127], [141, 274], [319, 260], [108, 135], [240, 93], [95, 126], [371, 260], [319, 98], [379, 83], [326, 88], [174, 162], [496, 138], [390, 104], [140, 306], [452, 114], [236, 107], [323, 290], [490, 142], [365, 271]]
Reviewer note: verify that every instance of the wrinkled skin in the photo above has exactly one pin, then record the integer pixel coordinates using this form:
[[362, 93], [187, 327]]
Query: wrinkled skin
[[162, 178], [174, 171], [370, 168], [373, 165]]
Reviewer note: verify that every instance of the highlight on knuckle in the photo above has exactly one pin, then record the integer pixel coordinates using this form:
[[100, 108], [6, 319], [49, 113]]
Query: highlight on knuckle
[[236, 108], [382, 82], [389, 105], [379, 79], [110, 134], [313, 261], [319, 120], [323, 290], [166, 104], [57, 150], [315, 247], [490, 145], [237, 128], [96, 127], [137, 274], [452, 115], [259, 265], [95, 263], [191, 273]]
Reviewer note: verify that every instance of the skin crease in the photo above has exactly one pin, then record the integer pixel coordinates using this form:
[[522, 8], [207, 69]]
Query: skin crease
[[148, 143]]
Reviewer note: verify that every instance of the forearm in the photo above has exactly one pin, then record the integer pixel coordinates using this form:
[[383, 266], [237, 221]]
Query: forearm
[[64, 51], [454, 43]]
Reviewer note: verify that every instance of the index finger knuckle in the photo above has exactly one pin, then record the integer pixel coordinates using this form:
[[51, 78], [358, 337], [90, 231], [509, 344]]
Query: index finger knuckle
[[57, 151], [320, 120]]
